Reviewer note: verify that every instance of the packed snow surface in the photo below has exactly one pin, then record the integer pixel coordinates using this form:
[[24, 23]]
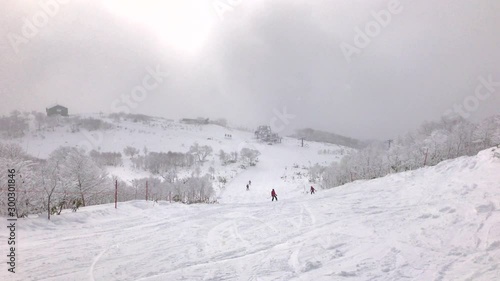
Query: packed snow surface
[[436, 223]]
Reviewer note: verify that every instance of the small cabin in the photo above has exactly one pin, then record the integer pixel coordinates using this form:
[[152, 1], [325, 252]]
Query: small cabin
[[57, 110]]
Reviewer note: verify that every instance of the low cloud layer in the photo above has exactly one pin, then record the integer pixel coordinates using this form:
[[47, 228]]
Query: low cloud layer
[[409, 61]]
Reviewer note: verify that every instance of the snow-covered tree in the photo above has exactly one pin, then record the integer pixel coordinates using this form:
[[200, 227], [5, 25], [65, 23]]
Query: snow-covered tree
[[131, 151], [84, 175], [13, 126], [28, 200], [51, 182], [200, 152], [224, 157], [249, 156]]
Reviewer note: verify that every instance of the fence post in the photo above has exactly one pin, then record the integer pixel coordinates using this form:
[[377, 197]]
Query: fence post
[[116, 193]]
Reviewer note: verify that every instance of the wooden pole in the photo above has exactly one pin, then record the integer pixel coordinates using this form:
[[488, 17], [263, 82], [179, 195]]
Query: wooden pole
[[116, 194], [426, 153]]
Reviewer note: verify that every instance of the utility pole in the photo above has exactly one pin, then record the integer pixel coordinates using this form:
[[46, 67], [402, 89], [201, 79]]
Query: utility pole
[[116, 193], [389, 142]]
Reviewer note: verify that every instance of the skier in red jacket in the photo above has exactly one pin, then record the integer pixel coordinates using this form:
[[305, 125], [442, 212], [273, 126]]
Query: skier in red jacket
[[273, 194]]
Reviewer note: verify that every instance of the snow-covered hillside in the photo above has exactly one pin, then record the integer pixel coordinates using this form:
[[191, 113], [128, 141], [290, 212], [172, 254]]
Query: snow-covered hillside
[[435, 223], [282, 166]]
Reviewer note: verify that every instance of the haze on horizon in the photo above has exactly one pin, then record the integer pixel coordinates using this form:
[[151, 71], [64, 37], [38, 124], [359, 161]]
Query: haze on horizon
[[254, 59]]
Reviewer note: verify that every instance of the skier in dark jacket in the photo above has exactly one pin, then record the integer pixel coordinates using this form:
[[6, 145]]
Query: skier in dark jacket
[[248, 187], [274, 195], [312, 190]]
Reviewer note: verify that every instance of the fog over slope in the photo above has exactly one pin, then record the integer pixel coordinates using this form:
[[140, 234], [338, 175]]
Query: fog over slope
[[255, 59]]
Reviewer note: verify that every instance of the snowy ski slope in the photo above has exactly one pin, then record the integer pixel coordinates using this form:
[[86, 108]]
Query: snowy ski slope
[[436, 223]]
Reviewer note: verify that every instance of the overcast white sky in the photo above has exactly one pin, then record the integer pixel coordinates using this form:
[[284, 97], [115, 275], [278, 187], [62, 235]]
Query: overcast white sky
[[262, 57]]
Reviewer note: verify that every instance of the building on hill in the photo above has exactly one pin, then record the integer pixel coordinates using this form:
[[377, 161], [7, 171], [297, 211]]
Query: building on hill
[[57, 110], [197, 121]]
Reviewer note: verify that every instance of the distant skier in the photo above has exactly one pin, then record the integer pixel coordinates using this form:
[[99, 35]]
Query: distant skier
[[274, 195], [313, 190], [248, 187], [249, 182]]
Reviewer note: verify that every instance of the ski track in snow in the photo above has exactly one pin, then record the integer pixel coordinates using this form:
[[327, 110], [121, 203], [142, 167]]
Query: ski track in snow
[[437, 223]]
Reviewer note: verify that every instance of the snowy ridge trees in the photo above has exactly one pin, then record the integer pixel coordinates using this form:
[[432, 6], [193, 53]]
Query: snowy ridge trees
[[13, 126], [83, 174], [106, 158], [68, 178], [187, 190], [432, 143], [131, 151], [12, 157], [73, 177]]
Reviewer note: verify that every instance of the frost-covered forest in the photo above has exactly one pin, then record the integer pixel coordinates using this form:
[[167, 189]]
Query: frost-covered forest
[[431, 144]]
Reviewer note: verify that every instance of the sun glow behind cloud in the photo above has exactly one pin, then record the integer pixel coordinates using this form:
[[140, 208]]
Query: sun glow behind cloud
[[181, 24]]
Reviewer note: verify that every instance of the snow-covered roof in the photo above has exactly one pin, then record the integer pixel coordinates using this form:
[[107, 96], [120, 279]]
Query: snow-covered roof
[[54, 105]]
